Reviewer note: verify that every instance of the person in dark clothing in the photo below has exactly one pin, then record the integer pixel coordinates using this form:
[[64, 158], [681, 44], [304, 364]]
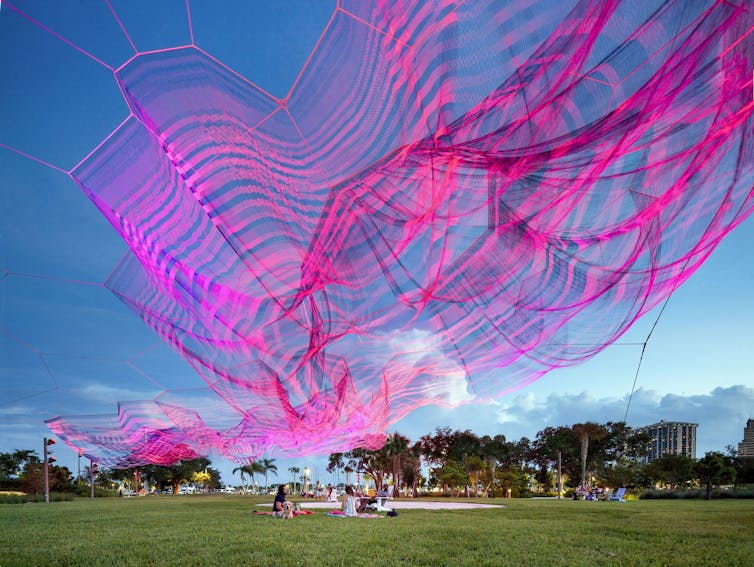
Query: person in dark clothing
[[281, 508]]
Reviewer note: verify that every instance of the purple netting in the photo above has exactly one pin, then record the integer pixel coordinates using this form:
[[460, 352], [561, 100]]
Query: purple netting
[[452, 201]]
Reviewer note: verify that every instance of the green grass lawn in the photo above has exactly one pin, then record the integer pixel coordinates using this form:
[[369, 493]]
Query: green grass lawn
[[219, 530]]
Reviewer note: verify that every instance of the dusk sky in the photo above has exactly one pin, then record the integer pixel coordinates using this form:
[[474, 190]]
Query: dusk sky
[[68, 346]]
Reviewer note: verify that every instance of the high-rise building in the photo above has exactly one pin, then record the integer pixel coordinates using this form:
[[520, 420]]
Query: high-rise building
[[746, 447], [669, 438]]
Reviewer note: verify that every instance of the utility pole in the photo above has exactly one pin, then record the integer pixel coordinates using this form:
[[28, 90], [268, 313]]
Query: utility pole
[[92, 472]]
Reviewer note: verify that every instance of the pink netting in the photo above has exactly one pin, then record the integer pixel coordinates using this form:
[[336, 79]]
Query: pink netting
[[454, 199]]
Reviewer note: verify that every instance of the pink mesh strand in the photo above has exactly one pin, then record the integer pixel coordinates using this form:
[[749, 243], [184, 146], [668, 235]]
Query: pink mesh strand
[[453, 200]]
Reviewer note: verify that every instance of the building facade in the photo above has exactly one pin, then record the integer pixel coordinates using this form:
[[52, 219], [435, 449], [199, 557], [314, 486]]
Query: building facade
[[746, 447], [670, 438]]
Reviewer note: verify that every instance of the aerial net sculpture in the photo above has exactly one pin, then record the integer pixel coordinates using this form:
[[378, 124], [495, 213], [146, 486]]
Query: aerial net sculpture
[[453, 200]]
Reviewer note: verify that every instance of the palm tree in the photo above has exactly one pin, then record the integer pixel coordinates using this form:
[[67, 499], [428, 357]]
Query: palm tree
[[241, 470], [586, 432], [415, 454], [294, 471], [249, 470], [254, 468], [265, 466], [396, 447]]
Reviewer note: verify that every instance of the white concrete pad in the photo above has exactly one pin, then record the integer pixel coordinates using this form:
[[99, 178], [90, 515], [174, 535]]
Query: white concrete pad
[[410, 505]]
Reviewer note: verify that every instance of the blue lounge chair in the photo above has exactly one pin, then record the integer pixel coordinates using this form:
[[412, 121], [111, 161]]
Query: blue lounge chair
[[617, 496]]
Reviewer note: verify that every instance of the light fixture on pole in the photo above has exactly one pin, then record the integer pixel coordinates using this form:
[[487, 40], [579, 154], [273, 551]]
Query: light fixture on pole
[[78, 477], [48, 459]]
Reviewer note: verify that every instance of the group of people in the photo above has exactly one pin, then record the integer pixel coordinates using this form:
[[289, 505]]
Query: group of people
[[352, 504], [586, 492]]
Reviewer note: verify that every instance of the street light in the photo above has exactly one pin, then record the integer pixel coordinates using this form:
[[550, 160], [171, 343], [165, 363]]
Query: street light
[[78, 478], [47, 451]]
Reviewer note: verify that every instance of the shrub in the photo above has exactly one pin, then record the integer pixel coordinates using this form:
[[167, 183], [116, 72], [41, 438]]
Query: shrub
[[10, 484], [99, 492], [24, 498], [746, 492]]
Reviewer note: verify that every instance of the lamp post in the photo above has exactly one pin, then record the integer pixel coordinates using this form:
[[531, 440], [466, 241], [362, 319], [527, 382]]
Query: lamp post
[[46, 451], [306, 481], [560, 476]]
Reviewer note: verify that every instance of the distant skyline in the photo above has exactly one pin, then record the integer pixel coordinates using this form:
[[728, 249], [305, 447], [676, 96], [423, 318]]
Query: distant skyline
[[68, 346]]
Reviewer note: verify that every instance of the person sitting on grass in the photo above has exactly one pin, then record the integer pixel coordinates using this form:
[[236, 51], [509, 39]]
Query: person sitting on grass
[[350, 502], [281, 508]]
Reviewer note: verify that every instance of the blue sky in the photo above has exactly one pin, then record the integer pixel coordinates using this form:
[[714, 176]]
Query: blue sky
[[68, 346]]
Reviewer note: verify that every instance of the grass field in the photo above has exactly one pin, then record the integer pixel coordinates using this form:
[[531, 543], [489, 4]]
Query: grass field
[[219, 530]]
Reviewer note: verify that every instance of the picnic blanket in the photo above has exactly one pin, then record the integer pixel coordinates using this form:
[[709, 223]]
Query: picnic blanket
[[340, 514], [295, 513]]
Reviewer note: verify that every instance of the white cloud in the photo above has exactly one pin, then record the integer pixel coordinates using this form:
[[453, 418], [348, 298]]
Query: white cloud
[[452, 388], [415, 347], [110, 394], [14, 410]]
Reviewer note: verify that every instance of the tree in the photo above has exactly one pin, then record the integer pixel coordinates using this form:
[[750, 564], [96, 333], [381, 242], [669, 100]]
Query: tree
[[626, 473], [713, 471], [395, 448], [294, 471], [102, 476], [670, 470], [520, 452], [201, 478], [495, 450], [445, 446], [412, 468], [183, 471], [126, 476], [265, 466], [242, 469], [348, 470], [551, 442], [586, 432], [451, 474], [435, 448], [744, 467], [335, 463], [12, 464], [173, 475], [372, 463], [474, 465], [623, 442], [32, 478], [214, 478], [463, 445], [255, 468]]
